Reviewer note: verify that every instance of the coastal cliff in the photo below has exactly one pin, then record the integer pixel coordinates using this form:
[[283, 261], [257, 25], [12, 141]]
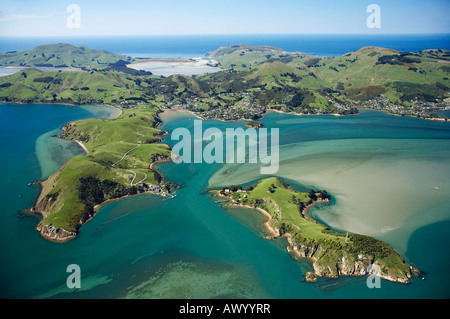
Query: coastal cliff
[[336, 263]]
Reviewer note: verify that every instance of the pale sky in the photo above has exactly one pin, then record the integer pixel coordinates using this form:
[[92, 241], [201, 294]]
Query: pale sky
[[149, 17]]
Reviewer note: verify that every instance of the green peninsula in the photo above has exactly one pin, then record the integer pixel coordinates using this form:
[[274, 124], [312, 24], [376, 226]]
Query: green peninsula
[[118, 163], [333, 254]]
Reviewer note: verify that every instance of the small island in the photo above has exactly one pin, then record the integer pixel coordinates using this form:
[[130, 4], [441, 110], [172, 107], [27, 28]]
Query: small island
[[254, 124], [333, 254]]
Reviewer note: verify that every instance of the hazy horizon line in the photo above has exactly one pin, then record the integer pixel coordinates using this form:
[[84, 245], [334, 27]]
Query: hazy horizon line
[[223, 34]]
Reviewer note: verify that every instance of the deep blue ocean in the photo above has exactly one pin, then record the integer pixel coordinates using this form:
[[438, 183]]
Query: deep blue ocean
[[198, 45]]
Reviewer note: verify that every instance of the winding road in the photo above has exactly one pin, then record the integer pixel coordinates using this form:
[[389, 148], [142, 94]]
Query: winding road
[[128, 152]]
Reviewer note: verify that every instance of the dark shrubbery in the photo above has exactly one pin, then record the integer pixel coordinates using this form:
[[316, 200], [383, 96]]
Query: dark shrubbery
[[46, 79], [396, 59], [368, 245], [364, 93], [93, 191]]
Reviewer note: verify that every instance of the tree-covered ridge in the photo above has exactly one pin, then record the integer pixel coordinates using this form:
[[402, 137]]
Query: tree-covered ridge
[[333, 253]]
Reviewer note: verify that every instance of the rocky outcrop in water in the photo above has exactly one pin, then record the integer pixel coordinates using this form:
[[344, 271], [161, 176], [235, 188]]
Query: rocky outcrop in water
[[334, 263], [51, 233]]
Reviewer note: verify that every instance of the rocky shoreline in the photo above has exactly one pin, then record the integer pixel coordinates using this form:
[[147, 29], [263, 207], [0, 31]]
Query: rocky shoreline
[[53, 234], [346, 266]]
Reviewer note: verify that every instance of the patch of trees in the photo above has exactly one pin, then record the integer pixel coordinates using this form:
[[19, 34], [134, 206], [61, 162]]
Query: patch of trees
[[396, 59], [52, 197], [420, 92], [124, 69], [325, 91], [368, 245], [352, 111], [302, 99], [44, 65], [295, 78], [120, 63], [93, 191], [158, 177], [249, 188], [285, 58], [334, 69], [5, 85], [312, 62], [285, 228], [46, 79], [423, 97], [364, 93]]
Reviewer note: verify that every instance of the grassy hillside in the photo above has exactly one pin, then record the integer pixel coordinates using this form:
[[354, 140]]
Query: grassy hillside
[[102, 87], [399, 82], [120, 152], [245, 57], [62, 55], [257, 78], [334, 254]]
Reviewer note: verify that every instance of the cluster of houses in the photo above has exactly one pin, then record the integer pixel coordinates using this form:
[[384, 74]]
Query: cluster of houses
[[239, 106], [418, 108], [158, 190]]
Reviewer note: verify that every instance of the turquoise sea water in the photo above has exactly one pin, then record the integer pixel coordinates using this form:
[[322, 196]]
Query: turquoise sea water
[[190, 247]]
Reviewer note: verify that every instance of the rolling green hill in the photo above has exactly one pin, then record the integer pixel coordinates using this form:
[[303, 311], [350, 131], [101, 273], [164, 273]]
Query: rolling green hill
[[400, 82], [254, 79], [62, 55], [242, 56], [95, 87]]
